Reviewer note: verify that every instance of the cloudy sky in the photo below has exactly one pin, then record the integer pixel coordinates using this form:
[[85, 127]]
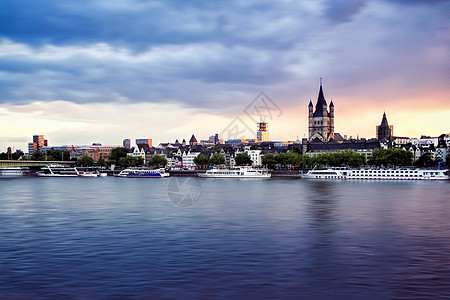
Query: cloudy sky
[[103, 70]]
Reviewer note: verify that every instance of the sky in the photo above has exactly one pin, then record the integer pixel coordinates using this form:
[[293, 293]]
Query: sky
[[100, 71]]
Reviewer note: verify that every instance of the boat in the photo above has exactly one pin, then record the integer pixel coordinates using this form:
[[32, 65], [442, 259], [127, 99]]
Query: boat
[[14, 172], [143, 173], [236, 172], [54, 170], [377, 174]]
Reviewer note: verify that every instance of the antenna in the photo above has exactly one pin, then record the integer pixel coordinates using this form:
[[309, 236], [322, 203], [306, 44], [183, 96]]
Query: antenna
[[320, 80]]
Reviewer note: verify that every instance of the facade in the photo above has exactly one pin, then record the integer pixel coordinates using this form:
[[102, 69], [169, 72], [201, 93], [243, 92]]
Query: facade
[[188, 158], [321, 119], [127, 143], [39, 141], [263, 132], [256, 157], [94, 151], [32, 148], [138, 152], [141, 142], [384, 131], [193, 141], [362, 147]]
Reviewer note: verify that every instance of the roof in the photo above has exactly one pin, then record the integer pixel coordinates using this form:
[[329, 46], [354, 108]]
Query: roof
[[384, 122], [193, 139], [338, 137], [318, 147], [321, 102]]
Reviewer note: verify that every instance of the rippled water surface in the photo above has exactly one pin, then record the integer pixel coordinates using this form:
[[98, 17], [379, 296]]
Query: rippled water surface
[[118, 238]]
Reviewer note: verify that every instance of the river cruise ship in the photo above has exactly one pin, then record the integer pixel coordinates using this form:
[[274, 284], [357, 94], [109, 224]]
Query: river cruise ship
[[384, 174], [143, 173], [237, 172], [53, 170], [14, 172]]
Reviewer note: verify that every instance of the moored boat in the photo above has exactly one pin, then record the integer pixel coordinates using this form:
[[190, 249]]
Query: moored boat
[[14, 172], [377, 174], [236, 172], [54, 170], [143, 173]]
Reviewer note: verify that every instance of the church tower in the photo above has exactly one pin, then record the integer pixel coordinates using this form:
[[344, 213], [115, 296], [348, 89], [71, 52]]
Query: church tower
[[384, 131], [321, 120]]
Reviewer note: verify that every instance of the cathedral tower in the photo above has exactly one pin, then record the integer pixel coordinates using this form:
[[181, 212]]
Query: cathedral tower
[[384, 131], [321, 120]]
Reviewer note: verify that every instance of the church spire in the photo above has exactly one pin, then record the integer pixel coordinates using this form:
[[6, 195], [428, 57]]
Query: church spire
[[384, 122], [321, 102]]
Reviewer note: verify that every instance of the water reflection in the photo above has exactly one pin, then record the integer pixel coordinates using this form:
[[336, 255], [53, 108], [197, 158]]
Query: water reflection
[[313, 239]]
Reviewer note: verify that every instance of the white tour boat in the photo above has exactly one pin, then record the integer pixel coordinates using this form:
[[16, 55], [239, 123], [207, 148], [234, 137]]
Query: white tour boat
[[143, 173], [236, 172], [384, 174], [14, 172], [53, 170]]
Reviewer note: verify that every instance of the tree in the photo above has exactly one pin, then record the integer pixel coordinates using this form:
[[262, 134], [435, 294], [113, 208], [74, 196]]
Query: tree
[[131, 161], [217, 159], [390, 157], [296, 149], [242, 159], [85, 161], [287, 159], [269, 160], [157, 160], [426, 160], [201, 160], [116, 154], [101, 162]]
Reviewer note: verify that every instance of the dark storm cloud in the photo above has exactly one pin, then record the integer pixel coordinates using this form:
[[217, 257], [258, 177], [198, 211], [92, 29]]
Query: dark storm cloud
[[200, 53]]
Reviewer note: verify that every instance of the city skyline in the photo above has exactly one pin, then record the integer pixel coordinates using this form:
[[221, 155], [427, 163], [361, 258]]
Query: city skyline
[[79, 78]]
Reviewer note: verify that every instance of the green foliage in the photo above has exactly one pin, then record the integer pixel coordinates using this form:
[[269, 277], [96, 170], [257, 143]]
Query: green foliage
[[296, 149], [269, 160], [85, 161], [426, 160], [217, 159], [51, 155], [288, 159], [346, 158], [101, 162], [243, 159], [131, 161], [201, 160], [157, 160], [390, 157], [14, 156], [116, 154]]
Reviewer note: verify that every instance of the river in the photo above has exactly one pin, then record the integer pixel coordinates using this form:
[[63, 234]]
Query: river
[[181, 238]]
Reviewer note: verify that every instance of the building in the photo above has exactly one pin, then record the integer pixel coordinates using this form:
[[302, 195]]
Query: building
[[96, 151], [127, 143], [214, 138], [193, 141], [188, 158], [256, 157], [384, 131], [361, 146], [262, 134], [32, 148], [321, 120], [39, 141], [141, 142]]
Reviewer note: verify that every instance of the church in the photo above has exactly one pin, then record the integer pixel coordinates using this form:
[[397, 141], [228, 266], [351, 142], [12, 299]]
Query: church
[[321, 119]]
